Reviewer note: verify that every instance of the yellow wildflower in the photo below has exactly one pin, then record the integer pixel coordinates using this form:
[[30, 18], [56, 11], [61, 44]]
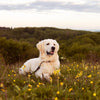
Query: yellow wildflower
[[29, 89], [58, 77], [8, 75], [50, 79], [77, 65], [24, 82], [56, 98], [65, 79], [12, 71], [58, 92], [38, 86], [78, 80], [3, 90], [82, 88], [74, 83], [92, 71], [1, 85], [40, 83], [14, 80], [91, 82], [24, 66], [56, 72], [94, 94], [79, 74], [14, 74], [94, 67], [89, 76], [68, 69], [71, 64], [29, 75], [86, 67], [29, 85], [32, 81], [61, 83], [70, 89]]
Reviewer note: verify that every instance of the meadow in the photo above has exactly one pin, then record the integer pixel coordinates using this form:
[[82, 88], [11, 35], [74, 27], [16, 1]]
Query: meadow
[[80, 64], [78, 81]]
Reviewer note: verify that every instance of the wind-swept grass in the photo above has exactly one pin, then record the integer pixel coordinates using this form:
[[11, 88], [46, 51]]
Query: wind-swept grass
[[78, 81]]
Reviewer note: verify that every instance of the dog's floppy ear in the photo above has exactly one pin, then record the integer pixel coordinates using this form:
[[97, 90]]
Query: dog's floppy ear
[[57, 45], [39, 45]]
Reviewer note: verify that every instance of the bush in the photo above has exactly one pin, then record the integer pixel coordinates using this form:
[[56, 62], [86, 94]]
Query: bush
[[14, 51]]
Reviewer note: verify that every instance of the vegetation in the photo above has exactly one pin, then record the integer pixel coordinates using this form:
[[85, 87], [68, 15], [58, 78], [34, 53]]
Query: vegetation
[[80, 65], [78, 81], [18, 44], [14, 51]]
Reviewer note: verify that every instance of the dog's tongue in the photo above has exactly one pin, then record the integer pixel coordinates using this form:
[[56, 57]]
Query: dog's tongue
[[51, 52]]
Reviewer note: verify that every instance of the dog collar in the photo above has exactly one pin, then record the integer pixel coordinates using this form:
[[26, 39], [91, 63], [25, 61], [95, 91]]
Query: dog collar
[[40, 65]]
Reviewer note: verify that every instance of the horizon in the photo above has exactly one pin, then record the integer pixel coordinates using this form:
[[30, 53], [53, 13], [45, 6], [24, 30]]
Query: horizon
[[70, 14], [51, 27]]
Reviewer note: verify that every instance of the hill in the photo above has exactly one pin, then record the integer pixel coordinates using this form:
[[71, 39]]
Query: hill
[[18, 44]]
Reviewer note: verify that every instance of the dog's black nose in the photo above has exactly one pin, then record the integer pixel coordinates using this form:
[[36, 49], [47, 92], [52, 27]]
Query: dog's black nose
[[53, 48]]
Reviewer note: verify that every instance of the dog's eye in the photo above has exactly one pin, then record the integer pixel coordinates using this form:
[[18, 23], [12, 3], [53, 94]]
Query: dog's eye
[[54, 44], [48, 43]]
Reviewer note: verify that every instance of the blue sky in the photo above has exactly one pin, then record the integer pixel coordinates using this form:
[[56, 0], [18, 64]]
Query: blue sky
[[74, 14]]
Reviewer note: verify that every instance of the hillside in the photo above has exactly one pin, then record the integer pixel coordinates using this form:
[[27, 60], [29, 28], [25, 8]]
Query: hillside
[[18, 44]]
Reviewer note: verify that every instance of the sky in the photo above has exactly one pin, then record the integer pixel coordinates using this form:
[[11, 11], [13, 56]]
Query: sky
[[66, 14]]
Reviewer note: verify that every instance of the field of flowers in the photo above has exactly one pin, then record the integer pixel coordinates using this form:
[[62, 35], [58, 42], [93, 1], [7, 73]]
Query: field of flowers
[[78, 81]]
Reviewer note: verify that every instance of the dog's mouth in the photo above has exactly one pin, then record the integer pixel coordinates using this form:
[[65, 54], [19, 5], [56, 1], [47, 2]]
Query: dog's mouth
[[50, 53]]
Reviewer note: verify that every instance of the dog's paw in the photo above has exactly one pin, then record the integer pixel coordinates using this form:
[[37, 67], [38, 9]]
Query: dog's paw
[[21, 71], [46, 76]]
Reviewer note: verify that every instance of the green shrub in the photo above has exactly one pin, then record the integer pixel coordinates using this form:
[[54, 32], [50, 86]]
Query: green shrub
[[14, 51]]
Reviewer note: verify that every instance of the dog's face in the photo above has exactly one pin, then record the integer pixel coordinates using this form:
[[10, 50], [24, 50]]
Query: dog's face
[[48, 46]]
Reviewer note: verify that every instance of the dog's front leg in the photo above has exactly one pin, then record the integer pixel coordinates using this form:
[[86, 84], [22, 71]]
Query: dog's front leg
[[46, 76]]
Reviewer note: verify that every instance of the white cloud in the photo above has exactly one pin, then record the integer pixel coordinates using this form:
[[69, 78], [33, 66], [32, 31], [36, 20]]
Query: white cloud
[[47, 5], [30, 1], [66, 1], [16, 1]]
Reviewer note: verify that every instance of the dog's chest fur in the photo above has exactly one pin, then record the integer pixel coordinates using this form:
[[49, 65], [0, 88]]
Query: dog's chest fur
[[49, 67]]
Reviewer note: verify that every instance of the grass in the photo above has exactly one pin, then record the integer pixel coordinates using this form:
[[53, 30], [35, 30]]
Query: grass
[[78, 81]]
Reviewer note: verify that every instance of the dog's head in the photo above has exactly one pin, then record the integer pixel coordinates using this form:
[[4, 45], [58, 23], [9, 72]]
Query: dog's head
[[48, 47]]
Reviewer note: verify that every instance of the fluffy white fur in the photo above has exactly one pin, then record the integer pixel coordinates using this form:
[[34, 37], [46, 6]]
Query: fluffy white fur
[[48, 60]]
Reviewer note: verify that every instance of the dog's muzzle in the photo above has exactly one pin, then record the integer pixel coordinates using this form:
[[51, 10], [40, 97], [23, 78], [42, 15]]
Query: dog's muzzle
[[52, 51]]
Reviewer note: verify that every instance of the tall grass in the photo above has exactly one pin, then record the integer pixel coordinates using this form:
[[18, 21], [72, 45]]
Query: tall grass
[[78, 81]]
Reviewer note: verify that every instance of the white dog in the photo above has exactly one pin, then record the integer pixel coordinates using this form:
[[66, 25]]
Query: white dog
[[46, 63]]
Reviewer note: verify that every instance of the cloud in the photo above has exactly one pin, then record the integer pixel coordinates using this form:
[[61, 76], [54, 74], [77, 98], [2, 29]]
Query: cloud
[[88, 6]]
